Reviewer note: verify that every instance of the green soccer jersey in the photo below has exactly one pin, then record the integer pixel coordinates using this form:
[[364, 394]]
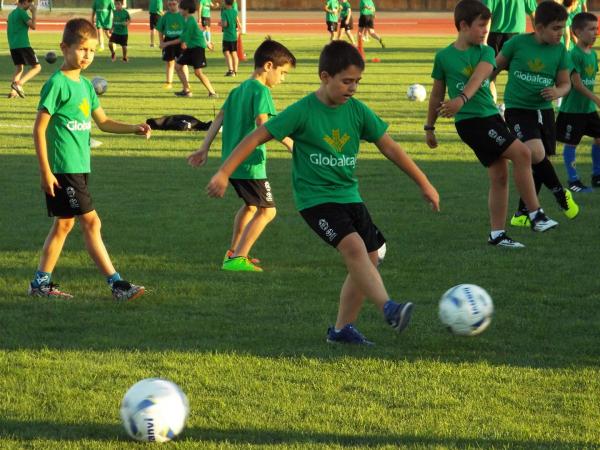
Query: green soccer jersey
[[205, 8], [510, 16], [229, 16], [367, 7], [191, 34], [454, 67], [17, 29], [120, 19], [346, 7], [155, 6], [103, 9], [243, 105], [326, 143], [586, 65], [332, 5], [531, 67], [70, 104], [170, 25]]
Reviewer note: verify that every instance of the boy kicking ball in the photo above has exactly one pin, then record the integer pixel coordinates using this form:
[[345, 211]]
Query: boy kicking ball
[[61, 135]]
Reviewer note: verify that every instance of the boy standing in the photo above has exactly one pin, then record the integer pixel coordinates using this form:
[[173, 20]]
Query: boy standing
[[230, 24], [332, 8], [327, 127], [62, 143], [170, 27], [102, 17], [578, 116], [155, 8], [18, 25], [346, 21], [537, 65], [119, 33], [464, 67], [247, 107], [366, 21], [205, 6]]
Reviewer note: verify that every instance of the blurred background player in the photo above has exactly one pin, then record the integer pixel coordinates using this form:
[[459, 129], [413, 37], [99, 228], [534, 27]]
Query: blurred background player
[[230, 24], [119, 33], [332, 9], [18, 25], [205, 6], [102, 16], [155, 8], [169, 27], [366, 22], [346, 20]]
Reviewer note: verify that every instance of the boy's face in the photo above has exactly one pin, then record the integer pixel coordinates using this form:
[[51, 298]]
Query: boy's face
[[340, 87], [79, 56], [551, 33], [26, 4], [173, 5], [184, 12], [275, 75], [477, 32], [587, 35], [118, 6]]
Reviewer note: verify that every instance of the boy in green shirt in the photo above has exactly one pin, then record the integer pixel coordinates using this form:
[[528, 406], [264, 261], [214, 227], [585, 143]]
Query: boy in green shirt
[[155, 8], [366, 21], [61, 134], [205, 6], [18, 25], [332, 9], [537, 65], [169, 27], [230, 24], [119, 33], [346, 20], [102, 17], [327, 127], [464, 68], [578, 116], [247, 107]]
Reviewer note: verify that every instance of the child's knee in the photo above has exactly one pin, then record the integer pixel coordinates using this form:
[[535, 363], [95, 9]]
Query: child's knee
[[64, 226], [268, 213], [90, 222]]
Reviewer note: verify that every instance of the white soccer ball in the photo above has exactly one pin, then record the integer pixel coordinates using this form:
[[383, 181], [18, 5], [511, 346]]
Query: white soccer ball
[[100, 85], [466, 309], [416, 93], [154, 410]]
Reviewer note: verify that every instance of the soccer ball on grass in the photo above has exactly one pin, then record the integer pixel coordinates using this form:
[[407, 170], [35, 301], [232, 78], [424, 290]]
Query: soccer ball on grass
[[416, 93], [466, 309], [100, 85]]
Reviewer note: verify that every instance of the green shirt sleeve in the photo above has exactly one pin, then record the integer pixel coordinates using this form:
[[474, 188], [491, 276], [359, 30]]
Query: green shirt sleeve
[[373, 127], [437, 73], [286, 123]]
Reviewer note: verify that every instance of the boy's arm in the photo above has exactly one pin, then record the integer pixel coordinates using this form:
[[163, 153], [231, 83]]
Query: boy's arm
[[261, 119], [200, 156], [435, 100], [218, 183], [109, 125], [392, 151], [561, 88], [582, 88], [501, 64], [48, 181], [31, 22], [482, 71]]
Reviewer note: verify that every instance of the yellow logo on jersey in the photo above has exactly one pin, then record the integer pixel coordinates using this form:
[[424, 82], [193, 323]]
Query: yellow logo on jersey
[[468, 71], [85, 107], [336, 141], [536, 65], [589, 70], [174, 26]]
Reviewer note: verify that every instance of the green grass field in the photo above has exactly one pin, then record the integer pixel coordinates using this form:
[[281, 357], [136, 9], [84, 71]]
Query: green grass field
[[249, 349]]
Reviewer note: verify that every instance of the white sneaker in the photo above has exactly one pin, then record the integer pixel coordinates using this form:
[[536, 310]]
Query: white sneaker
[[94, 143], [504, 241], [541, 222]]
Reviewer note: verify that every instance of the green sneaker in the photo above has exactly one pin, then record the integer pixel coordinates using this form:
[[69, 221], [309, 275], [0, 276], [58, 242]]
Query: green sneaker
[[572, 209], [229, 254], [240, 264], [521, 220]]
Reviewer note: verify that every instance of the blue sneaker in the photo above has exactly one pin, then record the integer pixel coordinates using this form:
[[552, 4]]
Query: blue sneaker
[[397, 315], [347, 335]]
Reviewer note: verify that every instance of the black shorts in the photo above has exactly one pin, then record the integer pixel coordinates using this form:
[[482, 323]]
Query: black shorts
[[497, 40], [488, 137], [529, 124], [571, 127], [229, 46], [254, 192], [331, 26], [120, 39], [194, 57], [24, 56], [171, 52], [334, 221], [366, 22], [205, 21], [345, 25], [154, 20], [73, 197]]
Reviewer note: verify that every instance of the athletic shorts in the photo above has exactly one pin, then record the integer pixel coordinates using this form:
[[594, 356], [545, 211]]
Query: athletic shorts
[[171, 52], [331, 26], [366, 21], [24, 56], [229, 46], [497, 40], [205, 21], [120, 39], [334, 221], [345, 25], [72, 199], [529, 124], [571, 127], [488, 137], [254, 192], [154, 20], [194, 57]]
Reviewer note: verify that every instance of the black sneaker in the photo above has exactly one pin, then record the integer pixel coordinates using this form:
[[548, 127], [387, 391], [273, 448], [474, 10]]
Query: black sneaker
[[504, 241], [596, 181], [541, 222], [578, 186], [347, 335], [230, 73], [124, 290], [183, 93], [397, 315]]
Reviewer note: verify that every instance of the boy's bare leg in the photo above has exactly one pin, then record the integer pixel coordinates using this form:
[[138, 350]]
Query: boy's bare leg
[[29, 75], [371, 31], [242, 217], [54, 243], [205, 81], [90, 225], [124, 52], [183, 76], [536, 146], [520, 156], [253, 230], [350, 37], [235, 60], [498, 193], [18, 72], [170, 71], [100, 38], [229, 60], [151, 38]]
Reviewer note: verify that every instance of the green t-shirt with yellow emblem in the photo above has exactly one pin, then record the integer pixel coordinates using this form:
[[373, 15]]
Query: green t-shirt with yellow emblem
[[17, 29], [454, 67], [70, 104], [532, 66], [332, 5], [586, 65], [120, 19], [510, 16], [191, 34], [229, 16], [243, 105], [367, 8], [326, 144], [170, 25]]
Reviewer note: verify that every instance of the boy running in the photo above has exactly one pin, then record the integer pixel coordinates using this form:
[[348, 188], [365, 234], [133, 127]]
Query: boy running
[[155, 9], [102, 16], [230, 24], [247, 107], [327, 127], [119, 33], [332, 8], [61, 134], [169, 27], [346, 21], [366, 21]]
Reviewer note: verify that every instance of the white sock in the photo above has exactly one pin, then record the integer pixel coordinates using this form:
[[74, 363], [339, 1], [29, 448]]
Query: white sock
[[495, 233], [533, 214]]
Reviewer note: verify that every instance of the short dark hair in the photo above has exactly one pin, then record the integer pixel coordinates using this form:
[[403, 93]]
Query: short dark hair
[[275, 52], [188, 5], [468, 11], [78, 30], [549, 11], [339, 55], [581, 20], [229, 2]]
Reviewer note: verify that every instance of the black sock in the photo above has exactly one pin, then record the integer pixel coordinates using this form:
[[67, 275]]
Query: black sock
[[548, 176]]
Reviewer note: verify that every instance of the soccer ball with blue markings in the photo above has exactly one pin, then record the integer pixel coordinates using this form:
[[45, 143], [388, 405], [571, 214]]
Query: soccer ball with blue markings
[[466, 309], [416, 93], [100, 85], [154, 410]]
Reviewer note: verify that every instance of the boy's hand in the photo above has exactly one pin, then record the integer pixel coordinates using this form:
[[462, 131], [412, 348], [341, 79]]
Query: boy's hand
[[210, 46], [449, 108], [431, 139], [549, 93], [49, 183], [183, 46], [198, 158], [430, 194], [217, 185], [143, 129], [32, 7]]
